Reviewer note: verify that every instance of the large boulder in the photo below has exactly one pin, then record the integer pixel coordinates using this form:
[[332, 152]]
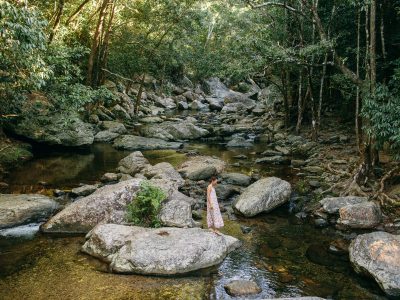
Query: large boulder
[[236, 179], [105, 205], [201, 167], [176, 213], [55, 129], [173, 131], [22, 209], [239, 142], [133, 163], [166, 103], [163, 251], [263, 196], [331, 205], [362, 215], [134, 142], [166, 171], [105, 136], [113, 126], [377, 254]]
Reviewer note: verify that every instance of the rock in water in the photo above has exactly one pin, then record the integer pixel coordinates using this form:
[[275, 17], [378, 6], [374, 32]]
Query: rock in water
[[236, 179], [377, 254], [133, 142], [332, 204], [201, 167], [173, 131], [133, 163], [55, 129], [166, 171], [362, 215], [106, 205], [237, 288], [263, 196], [163, 251], [21, 209]]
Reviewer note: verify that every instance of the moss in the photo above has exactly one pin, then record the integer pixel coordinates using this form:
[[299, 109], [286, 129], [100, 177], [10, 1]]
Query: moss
[[12, 154]]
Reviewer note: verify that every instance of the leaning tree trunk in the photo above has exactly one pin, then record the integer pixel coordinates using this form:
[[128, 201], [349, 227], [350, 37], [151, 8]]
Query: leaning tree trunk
[[59, 13]]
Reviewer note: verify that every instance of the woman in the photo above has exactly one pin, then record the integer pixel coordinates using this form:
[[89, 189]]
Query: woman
[[214, 218]]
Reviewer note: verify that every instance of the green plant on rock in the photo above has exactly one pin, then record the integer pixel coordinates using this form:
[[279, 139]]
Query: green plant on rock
[[145, 207]]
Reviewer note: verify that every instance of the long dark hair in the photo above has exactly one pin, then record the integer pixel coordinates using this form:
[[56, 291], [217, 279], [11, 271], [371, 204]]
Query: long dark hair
[[213, 178]]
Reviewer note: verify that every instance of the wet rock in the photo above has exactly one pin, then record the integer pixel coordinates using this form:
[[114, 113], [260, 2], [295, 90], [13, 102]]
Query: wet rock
[[173, 131], [25, 208], [263, 196], [133, 142], [245, 229], [163, 251], [318, 254], [332, 205], [271, 153], [362, 215], [109, 177], [377, 254], [236, 179], [273, 160], [321, 222], [132, 164], [120, 113], [105, 205], [201, 167], [105, 136], [296, 163], [183, 105], [239, 142], [225, 191], [84, 190], [283, 150], [215, 103], [339, 247], [237, 288]]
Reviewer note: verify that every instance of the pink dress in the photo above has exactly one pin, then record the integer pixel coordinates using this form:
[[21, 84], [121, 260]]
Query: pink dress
[[214, 218]]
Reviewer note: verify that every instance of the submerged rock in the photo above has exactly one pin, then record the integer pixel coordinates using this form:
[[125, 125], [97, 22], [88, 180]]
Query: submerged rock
[[26, 208], [238, 288], [163, 251], [201, 167], [133, 142], [105, 205], [263, 196], [84, 190], [362, 215], [377, 254]]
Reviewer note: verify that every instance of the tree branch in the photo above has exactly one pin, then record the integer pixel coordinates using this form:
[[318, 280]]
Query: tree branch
[[272, 3]]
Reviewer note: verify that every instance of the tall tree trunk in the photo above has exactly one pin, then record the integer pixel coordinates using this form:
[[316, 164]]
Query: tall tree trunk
[[104, 47], [96, 42], [285, 97], [59, 13], [300, 103], [358, 123], [139, 95], [76, 12]]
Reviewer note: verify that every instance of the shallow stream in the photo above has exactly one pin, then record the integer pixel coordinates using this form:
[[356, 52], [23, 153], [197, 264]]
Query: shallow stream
[[287, 257]]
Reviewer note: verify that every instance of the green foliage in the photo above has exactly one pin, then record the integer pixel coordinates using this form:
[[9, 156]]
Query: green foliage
[[383, 113], [302, 187], [144, 209]]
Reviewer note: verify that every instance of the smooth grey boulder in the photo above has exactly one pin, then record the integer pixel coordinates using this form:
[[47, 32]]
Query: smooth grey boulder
[[239, 142], [362, 215], [176, 213], [134, 142], [84, 190], [166, 103], [162, 251], [166, 171], [133, 163], [236, 179], [377, 254], [113, 126], [331, 205], [215, 103], [105, 205], [237, 288], [263, 196], [173, 131], [106, 136], [25, 208], [201, 167]]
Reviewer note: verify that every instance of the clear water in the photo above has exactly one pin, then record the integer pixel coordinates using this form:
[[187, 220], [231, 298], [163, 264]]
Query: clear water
[[33, 266]]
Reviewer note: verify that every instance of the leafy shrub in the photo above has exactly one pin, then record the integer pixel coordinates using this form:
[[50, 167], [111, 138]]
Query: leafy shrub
[[145, 207]]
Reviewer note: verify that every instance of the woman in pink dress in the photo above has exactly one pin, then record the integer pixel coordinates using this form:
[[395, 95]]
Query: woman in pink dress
[[214, 218]]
